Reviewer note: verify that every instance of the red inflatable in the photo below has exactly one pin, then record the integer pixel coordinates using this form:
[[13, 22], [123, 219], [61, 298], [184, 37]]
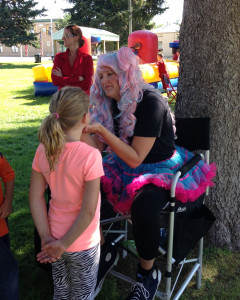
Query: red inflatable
[[144, 43], [87, 48]]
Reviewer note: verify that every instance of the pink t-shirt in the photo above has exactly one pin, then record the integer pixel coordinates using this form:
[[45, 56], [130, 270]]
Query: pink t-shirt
[[77, 163]]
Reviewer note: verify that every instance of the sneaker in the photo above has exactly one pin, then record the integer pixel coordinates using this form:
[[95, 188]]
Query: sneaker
[[108, 259], [145, 288]]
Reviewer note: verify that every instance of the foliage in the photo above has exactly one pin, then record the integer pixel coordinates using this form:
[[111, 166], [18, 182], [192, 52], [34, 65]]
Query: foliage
[[112, 15], [61, 23], [15, 17]]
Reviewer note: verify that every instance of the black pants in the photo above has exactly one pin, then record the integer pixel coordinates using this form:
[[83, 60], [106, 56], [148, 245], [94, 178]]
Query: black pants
[[9, 280], [146, 218]]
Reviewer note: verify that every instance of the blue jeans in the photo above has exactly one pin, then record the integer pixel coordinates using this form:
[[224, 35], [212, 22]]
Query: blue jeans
[[8, 271]]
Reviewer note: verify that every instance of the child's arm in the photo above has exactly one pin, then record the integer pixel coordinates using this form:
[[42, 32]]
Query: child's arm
[[6, 207], [90, 199], [38, 206]]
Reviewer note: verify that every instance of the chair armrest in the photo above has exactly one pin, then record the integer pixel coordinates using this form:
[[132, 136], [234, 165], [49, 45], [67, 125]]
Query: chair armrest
[[182, 171], [190, 164]]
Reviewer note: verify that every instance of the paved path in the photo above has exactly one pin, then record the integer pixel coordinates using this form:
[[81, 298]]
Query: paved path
[[22, 59]]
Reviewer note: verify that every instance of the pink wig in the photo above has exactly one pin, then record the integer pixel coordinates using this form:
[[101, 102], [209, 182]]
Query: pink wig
[[125, 64]]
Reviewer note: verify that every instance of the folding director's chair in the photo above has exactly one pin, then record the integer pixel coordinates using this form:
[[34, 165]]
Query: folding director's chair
[[192, 134]]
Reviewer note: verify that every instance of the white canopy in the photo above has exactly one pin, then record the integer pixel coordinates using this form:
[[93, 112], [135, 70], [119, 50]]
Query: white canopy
[[87, 31]]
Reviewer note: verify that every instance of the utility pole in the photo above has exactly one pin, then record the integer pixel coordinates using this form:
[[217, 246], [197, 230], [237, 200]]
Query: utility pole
[[52, 36], [130, 16]]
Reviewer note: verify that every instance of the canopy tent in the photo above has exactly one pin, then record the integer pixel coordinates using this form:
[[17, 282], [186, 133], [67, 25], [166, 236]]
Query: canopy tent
[[103, 35]]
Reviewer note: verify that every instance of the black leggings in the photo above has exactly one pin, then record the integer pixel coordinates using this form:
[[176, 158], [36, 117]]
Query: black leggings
[[146, 218]]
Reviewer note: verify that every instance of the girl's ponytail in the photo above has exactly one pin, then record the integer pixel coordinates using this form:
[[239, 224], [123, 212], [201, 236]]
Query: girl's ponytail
[[67, 107], [52, 137]]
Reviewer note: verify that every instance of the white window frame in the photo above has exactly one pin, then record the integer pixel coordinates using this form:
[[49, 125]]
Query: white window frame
[[15, 49]]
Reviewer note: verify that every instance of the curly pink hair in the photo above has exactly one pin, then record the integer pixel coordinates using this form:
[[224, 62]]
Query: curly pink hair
[[126, 65]]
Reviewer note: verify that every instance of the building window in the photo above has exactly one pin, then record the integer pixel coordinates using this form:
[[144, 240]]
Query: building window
[[14, 49], [160, 45], [47, 29]]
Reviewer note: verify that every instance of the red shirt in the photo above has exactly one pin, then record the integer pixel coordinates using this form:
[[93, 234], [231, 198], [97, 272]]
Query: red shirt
[[82, 66], [6, 174], [162, 69]]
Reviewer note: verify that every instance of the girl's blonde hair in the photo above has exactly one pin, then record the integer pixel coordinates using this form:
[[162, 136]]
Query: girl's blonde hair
[[67, 107]]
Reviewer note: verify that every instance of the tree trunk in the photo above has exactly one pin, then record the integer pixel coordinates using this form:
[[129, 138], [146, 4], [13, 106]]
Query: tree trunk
[[209, 86]]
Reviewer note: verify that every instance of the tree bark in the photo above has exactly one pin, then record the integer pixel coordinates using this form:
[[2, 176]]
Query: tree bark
[[209, 86]]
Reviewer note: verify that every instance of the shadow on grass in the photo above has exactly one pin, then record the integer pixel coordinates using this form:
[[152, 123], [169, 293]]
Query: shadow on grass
[[32, 277], [19, 144], [28, 94], [17, 66]]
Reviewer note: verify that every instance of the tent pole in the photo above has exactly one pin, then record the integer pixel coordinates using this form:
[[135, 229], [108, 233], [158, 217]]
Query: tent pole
[[130, 16]]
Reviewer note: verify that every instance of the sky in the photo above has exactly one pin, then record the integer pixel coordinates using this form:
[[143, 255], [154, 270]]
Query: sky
[[173, 14], [54, 9]]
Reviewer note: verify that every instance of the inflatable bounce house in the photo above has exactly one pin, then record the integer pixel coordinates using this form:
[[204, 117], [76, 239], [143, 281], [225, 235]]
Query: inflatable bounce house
[[147, 50], [175, 46], [144, 43], [43, 85]]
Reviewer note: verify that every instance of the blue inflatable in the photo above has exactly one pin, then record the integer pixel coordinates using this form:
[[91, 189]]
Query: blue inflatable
[[158, 85], [95, 39], [44, 88], [174, 45]]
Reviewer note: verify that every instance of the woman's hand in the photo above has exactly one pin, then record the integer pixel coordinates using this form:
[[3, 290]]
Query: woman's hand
[[92, 140], [57, 72], [93, 128], [133, 154]]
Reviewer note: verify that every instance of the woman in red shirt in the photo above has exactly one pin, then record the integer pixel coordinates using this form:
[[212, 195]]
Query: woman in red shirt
[[73, 67]]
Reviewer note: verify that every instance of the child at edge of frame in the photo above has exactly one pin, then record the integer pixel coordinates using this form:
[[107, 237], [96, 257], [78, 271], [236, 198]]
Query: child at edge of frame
[[9, 279]]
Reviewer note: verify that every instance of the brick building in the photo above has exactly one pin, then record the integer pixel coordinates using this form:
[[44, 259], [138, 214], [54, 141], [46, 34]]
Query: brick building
[[44, 28], [166, 35]]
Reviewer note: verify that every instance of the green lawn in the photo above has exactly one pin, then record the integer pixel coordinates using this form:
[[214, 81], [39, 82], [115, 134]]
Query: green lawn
[[20, 115]]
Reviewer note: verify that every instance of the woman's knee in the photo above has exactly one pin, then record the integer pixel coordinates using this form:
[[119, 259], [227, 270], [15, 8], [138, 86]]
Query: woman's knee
[[149, 202]]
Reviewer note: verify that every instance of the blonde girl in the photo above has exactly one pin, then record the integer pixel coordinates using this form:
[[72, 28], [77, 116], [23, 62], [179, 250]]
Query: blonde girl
[[70, 231]]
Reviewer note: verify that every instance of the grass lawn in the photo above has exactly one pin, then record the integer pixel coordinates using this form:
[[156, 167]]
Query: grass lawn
[[20, 115]]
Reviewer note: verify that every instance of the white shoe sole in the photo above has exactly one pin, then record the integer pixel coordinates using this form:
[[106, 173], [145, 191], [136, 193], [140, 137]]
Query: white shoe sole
[[159, 280], [98, 289]]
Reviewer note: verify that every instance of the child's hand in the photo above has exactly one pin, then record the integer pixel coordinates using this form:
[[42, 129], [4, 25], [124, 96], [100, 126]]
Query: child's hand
[[43, 256], [5, 209], [52, 251]]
